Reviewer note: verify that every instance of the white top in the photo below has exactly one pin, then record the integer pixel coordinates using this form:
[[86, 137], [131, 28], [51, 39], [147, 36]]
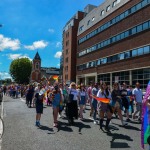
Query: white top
[[99, 94], [138, 95], [74, 92], [36, 90]]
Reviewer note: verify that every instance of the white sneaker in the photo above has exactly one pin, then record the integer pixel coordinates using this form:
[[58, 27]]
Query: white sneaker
[[60, 116], [95, 122]]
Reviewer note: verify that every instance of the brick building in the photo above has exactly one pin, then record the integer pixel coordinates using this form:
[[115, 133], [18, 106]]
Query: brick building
[[114, 43], [69, 46], [39, 72]]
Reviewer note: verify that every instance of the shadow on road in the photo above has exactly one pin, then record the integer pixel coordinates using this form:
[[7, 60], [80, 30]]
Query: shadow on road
[[80, 125], [46, 128], [116, 136], [64, 127]]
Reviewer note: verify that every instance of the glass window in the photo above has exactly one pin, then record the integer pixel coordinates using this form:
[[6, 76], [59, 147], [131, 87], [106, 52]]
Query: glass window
[[114, 3], [140, 51], [117, 18], [138, 6], [145, 25], [118, 37], [133, 30], [144, 2], [113, 39], [102, 44], [122, 16], [98, 62], [126, 13], [121, 56], [102, 28], [102, 12], [87, 65], [93, 18], [133, 9], [114, 58], [113, 21], [88, 22], [127, 54], [108, 41], [134, 53], [122, 35], [126, 34], [146, 49], [108, 8], [105, 43], [98, 46], [104, 60], [109, 59], [139, 28]]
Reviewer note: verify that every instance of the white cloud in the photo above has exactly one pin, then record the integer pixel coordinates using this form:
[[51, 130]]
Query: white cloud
[[58, 55], [37, 45], [58, 44], [8, 43], [15, 56], [51, 30], [58, 65], [0, 63], [4, 75]]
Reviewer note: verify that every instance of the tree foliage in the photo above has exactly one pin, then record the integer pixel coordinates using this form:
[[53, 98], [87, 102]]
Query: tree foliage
[[20, 70]]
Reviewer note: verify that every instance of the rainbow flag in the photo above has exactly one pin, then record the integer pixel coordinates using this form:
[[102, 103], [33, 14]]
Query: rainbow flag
[[103, 100], [145, 127]]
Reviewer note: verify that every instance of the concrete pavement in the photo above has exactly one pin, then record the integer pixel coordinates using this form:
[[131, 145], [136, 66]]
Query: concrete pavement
[[21, 133]]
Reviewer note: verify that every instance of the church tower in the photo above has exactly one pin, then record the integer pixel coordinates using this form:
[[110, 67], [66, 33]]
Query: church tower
[[36, 69]]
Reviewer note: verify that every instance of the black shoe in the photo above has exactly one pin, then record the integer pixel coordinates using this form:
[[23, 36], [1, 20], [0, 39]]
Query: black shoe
[[107, 129], [128, 120]]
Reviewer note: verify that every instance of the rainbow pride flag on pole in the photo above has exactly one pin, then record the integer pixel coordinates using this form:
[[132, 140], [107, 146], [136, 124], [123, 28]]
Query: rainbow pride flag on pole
[[145, 128]]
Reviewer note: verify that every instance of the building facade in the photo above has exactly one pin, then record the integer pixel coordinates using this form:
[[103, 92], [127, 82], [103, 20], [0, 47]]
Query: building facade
[[114, 43], [39, 73], [69, 48]]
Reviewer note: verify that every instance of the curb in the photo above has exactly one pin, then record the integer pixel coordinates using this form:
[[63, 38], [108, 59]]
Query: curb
[[1, 128]]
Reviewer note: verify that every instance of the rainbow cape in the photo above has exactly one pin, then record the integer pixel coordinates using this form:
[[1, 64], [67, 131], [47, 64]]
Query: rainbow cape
[[145, 127], [103, 100]]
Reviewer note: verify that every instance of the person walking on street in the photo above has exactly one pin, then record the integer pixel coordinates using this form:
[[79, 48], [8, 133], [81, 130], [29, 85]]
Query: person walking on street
[[94, 101], [104, 108], [137, 92], [39, 96], [56, 99]]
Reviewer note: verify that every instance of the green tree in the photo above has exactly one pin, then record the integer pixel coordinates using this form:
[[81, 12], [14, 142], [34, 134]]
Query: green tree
[[20, 70]]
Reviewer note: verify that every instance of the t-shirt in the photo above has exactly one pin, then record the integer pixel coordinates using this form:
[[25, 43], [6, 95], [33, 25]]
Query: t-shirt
[[138, 95], [74, 92], [39, 99]]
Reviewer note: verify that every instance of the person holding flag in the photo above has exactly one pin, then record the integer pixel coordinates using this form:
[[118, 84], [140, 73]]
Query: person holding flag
[[104, 107]]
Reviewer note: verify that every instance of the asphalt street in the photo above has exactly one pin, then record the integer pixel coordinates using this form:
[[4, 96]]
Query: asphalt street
[[20, 132]]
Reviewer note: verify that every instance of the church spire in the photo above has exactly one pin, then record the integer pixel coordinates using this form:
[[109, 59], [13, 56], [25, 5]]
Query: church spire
[[37, 56]]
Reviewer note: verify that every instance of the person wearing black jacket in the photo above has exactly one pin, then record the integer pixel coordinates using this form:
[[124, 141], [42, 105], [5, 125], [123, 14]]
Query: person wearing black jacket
[[29, 96], [125, 103]]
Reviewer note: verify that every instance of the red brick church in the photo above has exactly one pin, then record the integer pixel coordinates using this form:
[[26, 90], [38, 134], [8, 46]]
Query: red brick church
[[39, 72]]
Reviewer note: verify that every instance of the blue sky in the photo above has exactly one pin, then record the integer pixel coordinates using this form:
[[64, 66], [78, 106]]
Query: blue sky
[[35, 25]]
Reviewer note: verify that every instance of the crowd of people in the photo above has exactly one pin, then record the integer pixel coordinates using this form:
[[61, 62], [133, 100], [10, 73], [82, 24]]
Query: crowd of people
[[73, 98]]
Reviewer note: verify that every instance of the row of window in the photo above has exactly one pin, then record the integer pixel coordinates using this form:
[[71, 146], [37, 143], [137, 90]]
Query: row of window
[[118, 18], [101, 14], [123, 35], [117, 57]]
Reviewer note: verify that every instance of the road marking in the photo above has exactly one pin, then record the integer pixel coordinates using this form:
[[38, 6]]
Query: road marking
[[22, 100]]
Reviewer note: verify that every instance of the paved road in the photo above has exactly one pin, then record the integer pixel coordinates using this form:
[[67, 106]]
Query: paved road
[[21, 134]]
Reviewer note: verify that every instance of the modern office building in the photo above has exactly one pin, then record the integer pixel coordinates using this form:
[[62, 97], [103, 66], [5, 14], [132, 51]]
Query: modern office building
[[69, 48], [114, 43]]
